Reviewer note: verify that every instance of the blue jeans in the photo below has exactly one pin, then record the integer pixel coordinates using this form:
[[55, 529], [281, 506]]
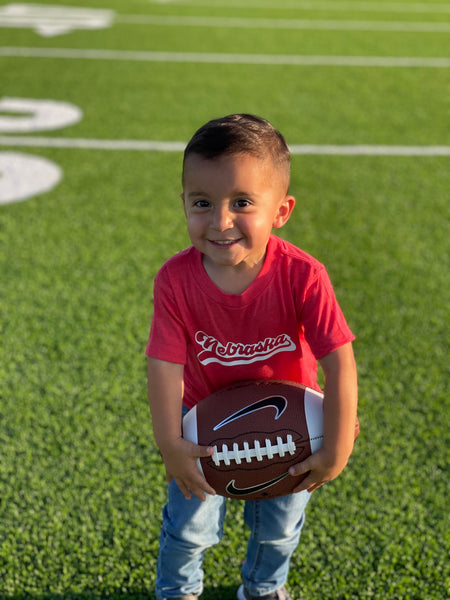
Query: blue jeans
[[190, 527]]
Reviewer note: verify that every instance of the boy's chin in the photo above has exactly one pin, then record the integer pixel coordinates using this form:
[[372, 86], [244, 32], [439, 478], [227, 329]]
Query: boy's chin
[[219, 262]]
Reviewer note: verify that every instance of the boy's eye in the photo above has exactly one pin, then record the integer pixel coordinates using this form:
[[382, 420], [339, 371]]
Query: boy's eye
[[242, 203], [201, 204]]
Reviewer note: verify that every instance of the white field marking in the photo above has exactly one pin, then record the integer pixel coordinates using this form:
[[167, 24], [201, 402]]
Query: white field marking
[[296, 24], [226, 58], [162, 146], [25, 115], [51, 20], [385, 7], [370, 150], [90, 144], [23, 176]]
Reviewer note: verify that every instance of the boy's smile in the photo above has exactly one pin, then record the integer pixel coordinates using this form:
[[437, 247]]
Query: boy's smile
[[231, 204]]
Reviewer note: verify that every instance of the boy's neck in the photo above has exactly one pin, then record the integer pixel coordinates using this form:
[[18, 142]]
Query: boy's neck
[[232, 280]]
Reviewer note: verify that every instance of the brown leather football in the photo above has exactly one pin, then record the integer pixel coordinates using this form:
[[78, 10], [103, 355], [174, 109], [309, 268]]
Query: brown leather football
[[258, 429]]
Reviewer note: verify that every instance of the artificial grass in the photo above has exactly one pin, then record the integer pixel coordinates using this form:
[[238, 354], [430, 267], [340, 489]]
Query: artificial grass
[[81, 482]]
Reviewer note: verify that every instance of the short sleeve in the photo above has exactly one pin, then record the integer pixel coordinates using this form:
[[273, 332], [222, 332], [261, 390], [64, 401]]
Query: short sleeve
[[324, 325], [167, 340]]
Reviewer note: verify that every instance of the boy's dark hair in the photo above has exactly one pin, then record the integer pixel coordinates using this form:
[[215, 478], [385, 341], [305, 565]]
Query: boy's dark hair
[[240, 134]]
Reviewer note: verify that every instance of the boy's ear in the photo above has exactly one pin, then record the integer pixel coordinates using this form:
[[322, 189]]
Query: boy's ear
[[284, 212], [184, 203]]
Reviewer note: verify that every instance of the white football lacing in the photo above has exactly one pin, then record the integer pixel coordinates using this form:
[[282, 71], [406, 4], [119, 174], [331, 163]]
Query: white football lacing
[[259, 452]]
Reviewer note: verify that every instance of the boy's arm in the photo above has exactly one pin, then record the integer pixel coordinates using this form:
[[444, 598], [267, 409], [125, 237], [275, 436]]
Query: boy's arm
[[165, 394], [340, 404]]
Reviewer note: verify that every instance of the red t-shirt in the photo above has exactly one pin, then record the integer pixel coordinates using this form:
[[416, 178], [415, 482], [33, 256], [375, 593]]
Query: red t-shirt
[[279, 327]]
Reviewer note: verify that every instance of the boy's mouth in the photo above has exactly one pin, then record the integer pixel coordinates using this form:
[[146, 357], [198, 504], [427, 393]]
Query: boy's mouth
[[223, 242]]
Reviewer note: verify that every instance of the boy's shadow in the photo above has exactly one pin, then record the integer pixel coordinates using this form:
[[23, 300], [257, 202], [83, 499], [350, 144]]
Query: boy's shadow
[[223, 592]]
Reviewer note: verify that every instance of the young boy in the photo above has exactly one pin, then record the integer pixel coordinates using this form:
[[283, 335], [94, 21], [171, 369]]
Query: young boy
[[238, 283]]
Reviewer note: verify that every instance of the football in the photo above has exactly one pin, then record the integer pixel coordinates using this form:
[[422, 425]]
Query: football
[[258, 429]]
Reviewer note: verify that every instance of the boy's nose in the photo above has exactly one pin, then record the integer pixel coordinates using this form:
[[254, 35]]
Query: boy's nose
[[222, 219]]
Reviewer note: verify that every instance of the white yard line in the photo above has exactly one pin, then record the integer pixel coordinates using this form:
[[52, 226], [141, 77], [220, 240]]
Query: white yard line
[[162, 146], [225, 58], [385, 7], [90, 144], [370, 150], [295, 24]]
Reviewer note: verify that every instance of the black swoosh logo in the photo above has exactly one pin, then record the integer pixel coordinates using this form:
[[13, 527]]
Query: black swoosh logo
[[279, 403], [233, 490]]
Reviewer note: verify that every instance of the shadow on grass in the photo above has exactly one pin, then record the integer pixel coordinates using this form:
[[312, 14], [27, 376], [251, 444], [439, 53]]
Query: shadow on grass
[[227, 592]]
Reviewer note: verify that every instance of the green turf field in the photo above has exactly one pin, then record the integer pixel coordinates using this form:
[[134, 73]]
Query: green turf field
[[81, 483]]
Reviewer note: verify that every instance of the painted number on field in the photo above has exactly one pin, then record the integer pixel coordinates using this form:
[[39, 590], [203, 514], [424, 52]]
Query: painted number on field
[[23, 176], [49, 20], [21, 115]]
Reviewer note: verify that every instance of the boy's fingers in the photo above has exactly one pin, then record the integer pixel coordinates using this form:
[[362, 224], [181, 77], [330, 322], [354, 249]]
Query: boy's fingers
[[301, 468], [313, 479], [183, 489], [307, 484], [198, 489], [314, 487], [197, 451], [207, 488], [201, 485], [202, 451], [206, 451]]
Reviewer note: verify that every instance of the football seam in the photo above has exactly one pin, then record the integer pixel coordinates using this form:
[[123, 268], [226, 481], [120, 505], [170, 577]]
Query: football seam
[[269, 451]]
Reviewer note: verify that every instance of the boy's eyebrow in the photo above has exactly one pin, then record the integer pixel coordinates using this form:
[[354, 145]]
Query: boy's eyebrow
[[236, 192], [234, 195], [197, 193]]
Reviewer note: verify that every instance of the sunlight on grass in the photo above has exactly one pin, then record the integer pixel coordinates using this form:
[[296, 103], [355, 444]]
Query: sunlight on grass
[[81, 481]]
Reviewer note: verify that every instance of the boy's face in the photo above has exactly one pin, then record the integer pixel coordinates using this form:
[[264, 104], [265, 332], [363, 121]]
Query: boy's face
[[231, 205]]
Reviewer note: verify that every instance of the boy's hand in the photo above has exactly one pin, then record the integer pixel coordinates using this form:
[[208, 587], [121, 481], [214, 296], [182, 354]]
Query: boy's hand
[[339, 412], [322, 466], [180, 461]]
